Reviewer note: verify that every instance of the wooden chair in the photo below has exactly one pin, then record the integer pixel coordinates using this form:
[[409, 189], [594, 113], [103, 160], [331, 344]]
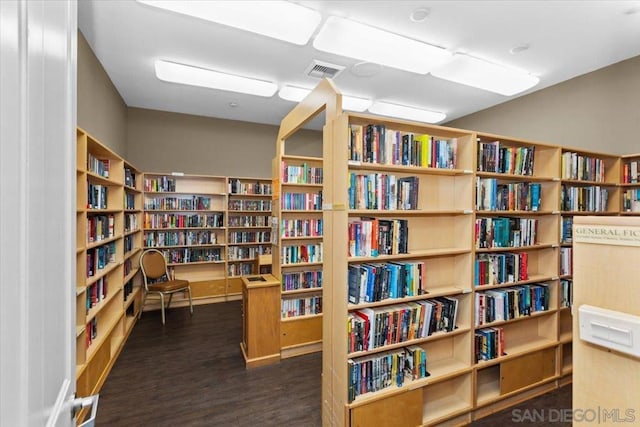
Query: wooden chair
[[158, 281]]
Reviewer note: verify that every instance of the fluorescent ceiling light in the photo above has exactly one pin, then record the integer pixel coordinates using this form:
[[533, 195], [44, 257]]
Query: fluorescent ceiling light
[[405, 112], [485, 75], [348, 38], [280, 20], [196, 76], [349, 103]]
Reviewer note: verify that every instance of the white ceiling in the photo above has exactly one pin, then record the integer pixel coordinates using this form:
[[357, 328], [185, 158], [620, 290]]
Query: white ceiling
[[565, 38]]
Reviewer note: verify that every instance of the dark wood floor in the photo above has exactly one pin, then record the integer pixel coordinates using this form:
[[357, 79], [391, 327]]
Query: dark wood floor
[[191, 373]]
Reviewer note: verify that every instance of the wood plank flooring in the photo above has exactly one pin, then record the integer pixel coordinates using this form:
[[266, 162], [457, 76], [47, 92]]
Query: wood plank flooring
[[191, 373]]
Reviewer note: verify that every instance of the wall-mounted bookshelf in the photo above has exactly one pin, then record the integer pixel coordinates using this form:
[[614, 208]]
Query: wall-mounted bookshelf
[[108, 232]]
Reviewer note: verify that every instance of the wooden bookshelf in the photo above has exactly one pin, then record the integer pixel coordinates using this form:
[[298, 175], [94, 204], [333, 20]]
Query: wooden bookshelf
[[109, 240], [629, 185], [248, 227]]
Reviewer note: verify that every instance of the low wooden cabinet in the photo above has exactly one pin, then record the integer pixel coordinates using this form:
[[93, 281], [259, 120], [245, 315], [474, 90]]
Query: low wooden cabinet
[[260, 320]]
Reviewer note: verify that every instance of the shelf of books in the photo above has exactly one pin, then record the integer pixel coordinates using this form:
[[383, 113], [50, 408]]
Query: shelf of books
[[248, 227], [630, 185], [401, 209], [184, 217], [299, 259], [590, 186], [107, 292]]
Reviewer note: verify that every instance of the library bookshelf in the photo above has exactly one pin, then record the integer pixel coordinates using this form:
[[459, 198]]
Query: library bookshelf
[[109, 240], [210, 229], [590, 186], [299, 251], [486, 226], [248, 228], [630, 185]]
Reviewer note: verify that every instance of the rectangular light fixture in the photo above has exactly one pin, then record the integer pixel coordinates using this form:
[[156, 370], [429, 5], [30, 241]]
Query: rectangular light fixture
[[349, 103], [280, 20], [470, 71], [355, 40], [196, 76], [406, 112]]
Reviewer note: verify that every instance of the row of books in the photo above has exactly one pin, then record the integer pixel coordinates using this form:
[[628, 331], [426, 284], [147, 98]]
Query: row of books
[[96, 293], [97, 196], [499, 158], [187, 255], [100, 227], [374, 143], [296, 307], [129, 201], [631, 200], [566, 230], [371, 237], [297, 254], [247, 252], [301, 227], [503, 232], [583, 199], [502, 304], [183, 203], [566, 293], [383, 191], [384, 370], [249, 205], [240, 269], [130, 222], [179, 238], [98, 258], [378, 282], [515, 196], [566, 261], [129, 177], [370, 328], [98, 166], [250, 237], [239, 186], [301, 280], [584, 168], [302, 201], [129, 244], [159, 184], [91, 331], [630, 172], [249, 221], [176, 220], [302, 174], [127, 289], [495, 269], [489, 343], [127, 266]]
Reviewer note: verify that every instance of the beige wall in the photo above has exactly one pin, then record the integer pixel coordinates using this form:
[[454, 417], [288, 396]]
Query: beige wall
[[599, 111], [101, 110], [159, 141]]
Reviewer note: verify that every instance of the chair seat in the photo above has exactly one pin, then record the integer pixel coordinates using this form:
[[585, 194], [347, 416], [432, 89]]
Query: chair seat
[[171, 285]]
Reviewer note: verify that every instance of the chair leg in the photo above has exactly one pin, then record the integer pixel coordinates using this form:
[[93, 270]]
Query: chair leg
[[190, 303], [144, 298], [162, 306], [169, 303]]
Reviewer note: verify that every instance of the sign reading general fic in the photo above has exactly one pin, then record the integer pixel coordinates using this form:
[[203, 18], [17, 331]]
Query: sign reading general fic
[[616, 235]]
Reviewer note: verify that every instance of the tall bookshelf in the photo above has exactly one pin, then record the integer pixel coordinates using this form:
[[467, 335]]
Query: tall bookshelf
[[438, 216], [248, 227], [185, 218], [108, 233], [590, 186], [299, 252], [516, 256], [630, 185]]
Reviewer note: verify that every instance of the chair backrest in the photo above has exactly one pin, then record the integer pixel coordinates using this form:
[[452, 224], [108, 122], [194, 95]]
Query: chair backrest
[[153, 265]]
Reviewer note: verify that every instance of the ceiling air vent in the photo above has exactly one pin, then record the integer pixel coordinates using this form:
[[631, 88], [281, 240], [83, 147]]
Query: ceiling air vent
[[321, 69]]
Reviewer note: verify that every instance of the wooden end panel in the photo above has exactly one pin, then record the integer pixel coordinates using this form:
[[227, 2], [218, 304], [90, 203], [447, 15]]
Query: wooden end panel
[[300, 331], [401, 410], [527, 370], [208, 288]]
